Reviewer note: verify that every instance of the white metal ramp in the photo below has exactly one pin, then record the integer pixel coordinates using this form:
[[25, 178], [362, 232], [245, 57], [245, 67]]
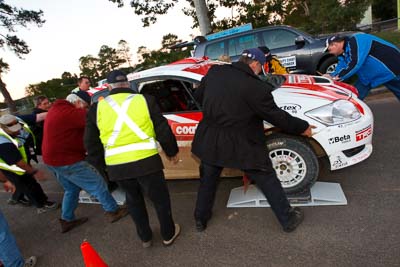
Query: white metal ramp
[[117, 194], [321, 194]]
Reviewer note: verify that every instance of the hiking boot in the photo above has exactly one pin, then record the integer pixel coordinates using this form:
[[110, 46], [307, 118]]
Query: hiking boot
[[114, 216], [201, 226], [147, 244], [48, 205], [30, 262], [296, 217], [69, 225], [177, 232]]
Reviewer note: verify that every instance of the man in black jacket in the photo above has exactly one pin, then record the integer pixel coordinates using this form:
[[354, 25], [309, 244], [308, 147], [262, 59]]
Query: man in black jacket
[[132, 161], [235, 104]]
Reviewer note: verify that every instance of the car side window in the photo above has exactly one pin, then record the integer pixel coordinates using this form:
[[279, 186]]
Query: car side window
[[279, 38], [215, 50], [238, 44], [172, 95]]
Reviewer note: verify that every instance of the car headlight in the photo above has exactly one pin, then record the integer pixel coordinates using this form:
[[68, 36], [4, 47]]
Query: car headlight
[[338, 112]]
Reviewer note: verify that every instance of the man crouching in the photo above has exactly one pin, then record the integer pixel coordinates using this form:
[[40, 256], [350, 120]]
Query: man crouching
[[64, 154]]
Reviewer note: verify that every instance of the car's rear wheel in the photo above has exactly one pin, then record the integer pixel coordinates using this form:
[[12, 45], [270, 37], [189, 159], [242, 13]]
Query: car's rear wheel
[[294, 162], [328, 66]]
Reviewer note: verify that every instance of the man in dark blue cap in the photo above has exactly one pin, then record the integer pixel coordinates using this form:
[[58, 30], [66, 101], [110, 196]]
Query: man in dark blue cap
[[231, 134], [121, 131], [374, 60]]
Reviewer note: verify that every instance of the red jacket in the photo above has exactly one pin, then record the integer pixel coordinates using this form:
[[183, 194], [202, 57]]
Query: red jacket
[[63, 134]]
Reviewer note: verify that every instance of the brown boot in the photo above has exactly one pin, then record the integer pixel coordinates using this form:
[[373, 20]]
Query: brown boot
[[114, 216], [67, 226]]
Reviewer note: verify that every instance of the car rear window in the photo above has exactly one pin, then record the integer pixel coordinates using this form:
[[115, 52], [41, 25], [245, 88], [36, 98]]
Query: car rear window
[[215, 50]]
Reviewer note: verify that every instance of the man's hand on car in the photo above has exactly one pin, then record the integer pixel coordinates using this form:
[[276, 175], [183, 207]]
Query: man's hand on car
[[308, 131]]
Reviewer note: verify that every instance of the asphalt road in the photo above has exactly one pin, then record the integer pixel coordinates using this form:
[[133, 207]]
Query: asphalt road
[[363, 233]]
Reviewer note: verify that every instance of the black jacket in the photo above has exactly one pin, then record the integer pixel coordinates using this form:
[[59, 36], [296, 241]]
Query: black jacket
[[235, 104], [133, 169]]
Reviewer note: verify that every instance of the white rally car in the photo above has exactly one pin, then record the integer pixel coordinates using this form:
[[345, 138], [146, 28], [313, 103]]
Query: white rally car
[[344, 123]]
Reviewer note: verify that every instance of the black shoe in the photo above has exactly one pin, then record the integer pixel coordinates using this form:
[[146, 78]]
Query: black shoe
[[201, 226], [296, 217], [69, 225]]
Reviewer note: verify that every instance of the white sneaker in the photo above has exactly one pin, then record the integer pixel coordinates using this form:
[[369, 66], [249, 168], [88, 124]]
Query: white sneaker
[[177, 232], [30, 262]]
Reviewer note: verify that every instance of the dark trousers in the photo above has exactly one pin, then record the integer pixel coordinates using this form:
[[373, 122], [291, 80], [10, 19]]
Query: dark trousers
[[266, 181], [155, 187], [27, 184]]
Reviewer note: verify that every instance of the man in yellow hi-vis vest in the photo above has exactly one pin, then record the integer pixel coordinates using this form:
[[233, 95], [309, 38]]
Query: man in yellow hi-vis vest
[[13, 163], [121, 132]]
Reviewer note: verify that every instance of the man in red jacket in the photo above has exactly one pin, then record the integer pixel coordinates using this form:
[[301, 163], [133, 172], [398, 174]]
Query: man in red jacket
[[64, 154]]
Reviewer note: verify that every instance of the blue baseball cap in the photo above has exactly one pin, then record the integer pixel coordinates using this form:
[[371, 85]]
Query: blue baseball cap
[[255, 54], [333, 39], [116, 76]]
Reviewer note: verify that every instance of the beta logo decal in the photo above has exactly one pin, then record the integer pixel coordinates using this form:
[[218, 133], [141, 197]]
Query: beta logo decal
[[291, 108], [363, 133], [342, 139], [184, 129]]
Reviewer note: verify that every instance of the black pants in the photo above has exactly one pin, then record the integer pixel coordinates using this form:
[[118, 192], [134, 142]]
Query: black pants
[[155, 187], [266, 181], [27, 184]]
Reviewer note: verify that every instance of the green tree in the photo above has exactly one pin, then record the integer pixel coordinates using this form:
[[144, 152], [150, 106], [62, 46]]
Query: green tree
[[384, 9], [327, 16], [89, 66], [109, 59], [12, 18], [164, 55], [55, 88], [125, 52]]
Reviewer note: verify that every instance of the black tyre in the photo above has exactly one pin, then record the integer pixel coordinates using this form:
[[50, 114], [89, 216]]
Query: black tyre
[[328, 66], [294, 161]]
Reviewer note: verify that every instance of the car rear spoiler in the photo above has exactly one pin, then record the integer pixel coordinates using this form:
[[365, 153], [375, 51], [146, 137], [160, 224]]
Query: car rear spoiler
[[197, 40]]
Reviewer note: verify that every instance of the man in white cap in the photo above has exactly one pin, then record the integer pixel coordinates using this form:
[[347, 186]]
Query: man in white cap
[[64, 154]]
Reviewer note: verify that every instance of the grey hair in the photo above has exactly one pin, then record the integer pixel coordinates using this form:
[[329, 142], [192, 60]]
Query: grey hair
[[72, 98], [120, 85]]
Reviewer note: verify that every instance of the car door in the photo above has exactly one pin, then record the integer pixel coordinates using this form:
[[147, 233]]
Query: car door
[[282, 43], [174, 96]]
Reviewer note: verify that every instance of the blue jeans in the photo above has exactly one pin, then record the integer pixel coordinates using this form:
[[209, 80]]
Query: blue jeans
[[10, 255], [77, 176], [393, 85]]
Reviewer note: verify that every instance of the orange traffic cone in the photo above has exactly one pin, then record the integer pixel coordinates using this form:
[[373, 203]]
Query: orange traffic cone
[[90, 256]]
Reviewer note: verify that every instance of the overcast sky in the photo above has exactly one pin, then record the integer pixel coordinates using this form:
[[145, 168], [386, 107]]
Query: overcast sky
[[76, 28]]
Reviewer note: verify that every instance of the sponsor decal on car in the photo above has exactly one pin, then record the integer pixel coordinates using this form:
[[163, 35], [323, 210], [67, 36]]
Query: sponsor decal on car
[[363, 133], [184, 129], [340, 139], [291, 108], [339, 163], [288, 62]]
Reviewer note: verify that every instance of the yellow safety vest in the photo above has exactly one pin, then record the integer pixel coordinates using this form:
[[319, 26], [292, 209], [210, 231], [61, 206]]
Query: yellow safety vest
[[5, 138], [126, 129]]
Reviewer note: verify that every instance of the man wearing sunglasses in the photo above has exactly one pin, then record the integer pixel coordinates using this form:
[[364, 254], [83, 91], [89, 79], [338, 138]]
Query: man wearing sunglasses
[[14, 164]]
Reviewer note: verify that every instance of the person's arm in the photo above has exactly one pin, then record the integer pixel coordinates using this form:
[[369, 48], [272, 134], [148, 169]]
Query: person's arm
[[11, 155], [263, 104], [163, 132], [91, 139]]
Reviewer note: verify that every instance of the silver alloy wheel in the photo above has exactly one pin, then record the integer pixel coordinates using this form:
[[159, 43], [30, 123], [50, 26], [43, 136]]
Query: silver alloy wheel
[[289, 166], [331, 68]]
